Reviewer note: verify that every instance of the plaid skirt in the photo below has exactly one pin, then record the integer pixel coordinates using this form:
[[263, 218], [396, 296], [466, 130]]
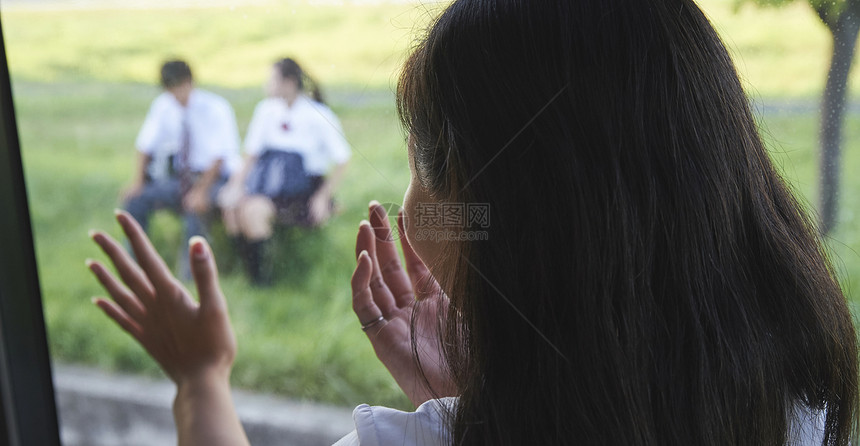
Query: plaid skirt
[[281, 176]]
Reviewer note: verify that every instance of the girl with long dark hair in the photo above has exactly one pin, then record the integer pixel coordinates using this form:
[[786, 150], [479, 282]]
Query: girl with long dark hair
[[597, 250], [295, 156]]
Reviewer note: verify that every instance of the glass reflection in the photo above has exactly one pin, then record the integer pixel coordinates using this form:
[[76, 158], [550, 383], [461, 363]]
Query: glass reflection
[[84, 77]]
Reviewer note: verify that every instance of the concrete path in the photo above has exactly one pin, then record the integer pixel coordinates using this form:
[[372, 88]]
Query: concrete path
[[104, 409]]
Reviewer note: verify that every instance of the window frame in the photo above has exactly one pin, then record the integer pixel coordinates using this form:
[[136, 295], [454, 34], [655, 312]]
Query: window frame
[[28, 413]]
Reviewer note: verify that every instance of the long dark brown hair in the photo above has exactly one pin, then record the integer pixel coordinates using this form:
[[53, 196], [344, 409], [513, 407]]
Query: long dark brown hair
[[290, 69], [648, 277]]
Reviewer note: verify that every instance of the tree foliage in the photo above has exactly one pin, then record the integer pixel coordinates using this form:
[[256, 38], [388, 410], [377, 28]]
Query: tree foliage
[[828, 11], [842, 18]]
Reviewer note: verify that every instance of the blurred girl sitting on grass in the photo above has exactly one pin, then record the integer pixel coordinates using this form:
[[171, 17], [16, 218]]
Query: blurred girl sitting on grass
[[647, 277], [293, 141]]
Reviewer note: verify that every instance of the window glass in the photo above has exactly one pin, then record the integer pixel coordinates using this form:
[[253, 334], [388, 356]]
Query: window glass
[[86, 72]]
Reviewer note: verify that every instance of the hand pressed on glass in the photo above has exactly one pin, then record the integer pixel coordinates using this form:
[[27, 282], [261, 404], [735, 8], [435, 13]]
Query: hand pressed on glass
[[382, 288], [192, 342], [187, 338]]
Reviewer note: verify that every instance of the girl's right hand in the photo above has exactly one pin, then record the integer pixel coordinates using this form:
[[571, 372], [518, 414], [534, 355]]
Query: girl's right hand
[[383, 297], [230, 195], [191, 341]]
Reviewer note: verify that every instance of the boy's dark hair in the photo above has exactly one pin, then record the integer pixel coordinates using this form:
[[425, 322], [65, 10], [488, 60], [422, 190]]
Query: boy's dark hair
[[175, 72]]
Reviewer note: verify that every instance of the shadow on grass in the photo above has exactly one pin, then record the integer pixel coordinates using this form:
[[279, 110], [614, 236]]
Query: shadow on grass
[[293, 254]]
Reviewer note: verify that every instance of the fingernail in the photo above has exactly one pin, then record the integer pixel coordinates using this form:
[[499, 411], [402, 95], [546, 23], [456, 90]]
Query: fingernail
[[380, 210], [363, 253], [89, 263], [372, 204], [198, 248], [94, 300], [363, 222], [117, 212], [91, 233]]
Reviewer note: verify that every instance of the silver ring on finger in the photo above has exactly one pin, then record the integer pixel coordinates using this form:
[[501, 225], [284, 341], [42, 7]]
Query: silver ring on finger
[[365, 327]]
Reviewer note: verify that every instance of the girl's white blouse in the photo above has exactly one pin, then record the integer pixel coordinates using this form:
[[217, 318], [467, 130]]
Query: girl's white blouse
[[427, 426], [307, 127]]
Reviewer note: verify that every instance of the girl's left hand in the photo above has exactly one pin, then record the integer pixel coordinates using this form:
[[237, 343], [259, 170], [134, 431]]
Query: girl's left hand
[[319, 208], [383, 297], [230, 195], [191, 341]]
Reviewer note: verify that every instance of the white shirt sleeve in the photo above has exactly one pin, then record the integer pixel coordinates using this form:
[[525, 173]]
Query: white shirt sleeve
[[335, 145], [151, 131], [428, 425], [383, 426], [255, 138], [806, 426], [351, 439]]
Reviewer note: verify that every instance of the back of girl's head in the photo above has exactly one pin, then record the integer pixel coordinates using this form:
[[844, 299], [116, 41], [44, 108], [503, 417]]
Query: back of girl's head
[[647, 277], [290, 69]]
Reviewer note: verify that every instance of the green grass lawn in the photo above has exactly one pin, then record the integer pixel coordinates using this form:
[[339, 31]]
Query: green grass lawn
[[82, 81], [299, 337], [792, 140]]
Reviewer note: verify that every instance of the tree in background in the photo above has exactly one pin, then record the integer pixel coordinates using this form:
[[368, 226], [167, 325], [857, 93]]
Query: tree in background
[[842, 19]]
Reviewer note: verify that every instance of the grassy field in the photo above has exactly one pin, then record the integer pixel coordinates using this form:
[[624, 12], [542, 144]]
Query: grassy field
[[298, 338], [83, 81]]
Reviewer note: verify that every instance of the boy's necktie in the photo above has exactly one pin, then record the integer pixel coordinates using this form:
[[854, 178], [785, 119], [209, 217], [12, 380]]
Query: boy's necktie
[[184, 169]]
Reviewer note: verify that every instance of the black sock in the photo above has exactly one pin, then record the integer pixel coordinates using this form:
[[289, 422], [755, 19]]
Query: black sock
[[240, 246], [259, 269]]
